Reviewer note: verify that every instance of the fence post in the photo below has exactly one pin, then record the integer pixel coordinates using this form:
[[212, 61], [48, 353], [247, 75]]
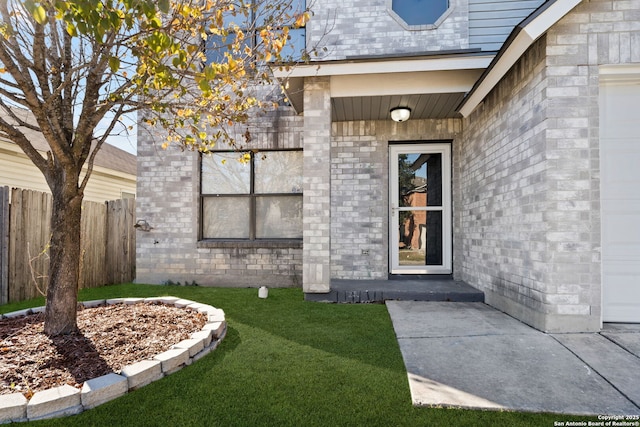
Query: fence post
[[4, 245]]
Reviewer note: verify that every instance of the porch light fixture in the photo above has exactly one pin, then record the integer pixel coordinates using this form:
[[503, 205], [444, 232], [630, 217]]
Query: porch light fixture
[[400, 114]]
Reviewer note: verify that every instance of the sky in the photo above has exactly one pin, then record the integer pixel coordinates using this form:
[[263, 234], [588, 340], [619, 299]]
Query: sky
[[122, 140]]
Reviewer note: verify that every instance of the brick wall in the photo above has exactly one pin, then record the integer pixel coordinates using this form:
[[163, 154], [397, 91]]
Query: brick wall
[[597, 32], [360, 190], [500, 192], [168, 198], [350, 28], [527, 203], [316, 197]]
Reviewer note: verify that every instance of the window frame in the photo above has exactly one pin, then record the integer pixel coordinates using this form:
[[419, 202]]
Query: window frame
[[252, 196], [420, 27], [252, 39]]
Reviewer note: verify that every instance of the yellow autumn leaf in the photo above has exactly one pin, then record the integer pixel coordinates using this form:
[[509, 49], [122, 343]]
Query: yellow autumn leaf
[[40, 15]]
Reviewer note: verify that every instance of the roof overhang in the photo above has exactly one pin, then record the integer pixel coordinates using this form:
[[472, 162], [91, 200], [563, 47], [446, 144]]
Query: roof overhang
[[387, 77], [521, 38]]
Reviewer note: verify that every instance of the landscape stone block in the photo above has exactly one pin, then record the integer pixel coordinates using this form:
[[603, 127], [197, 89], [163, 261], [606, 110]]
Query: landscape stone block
[[132, 301], [93, 303], [182, 303], [114, 301], [193, 345], [142, 373], [168, 300], [205, 334], [103, 389], [204, 352], [13, 408], [18, 313], [172, 360], [55, 402], [199, 307], [217, 328], [217, 315]]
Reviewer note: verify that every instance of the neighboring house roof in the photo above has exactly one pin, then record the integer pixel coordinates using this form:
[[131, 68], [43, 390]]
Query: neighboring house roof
[[109, 156], [520, 39]]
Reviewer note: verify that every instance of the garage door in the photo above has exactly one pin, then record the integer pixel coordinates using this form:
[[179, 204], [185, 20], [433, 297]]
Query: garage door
[[620, 193]]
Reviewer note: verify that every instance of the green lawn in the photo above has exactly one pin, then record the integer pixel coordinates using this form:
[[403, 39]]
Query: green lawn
[[284, 362]]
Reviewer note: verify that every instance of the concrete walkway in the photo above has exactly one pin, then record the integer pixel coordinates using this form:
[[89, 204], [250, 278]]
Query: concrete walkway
[[470, 355]]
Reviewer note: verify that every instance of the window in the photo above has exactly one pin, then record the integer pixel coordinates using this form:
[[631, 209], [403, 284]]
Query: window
[[420, 12], [260, 198], [263, 14]]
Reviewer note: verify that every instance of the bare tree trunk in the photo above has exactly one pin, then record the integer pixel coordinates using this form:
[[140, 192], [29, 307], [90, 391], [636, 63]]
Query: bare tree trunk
[[64, 267]]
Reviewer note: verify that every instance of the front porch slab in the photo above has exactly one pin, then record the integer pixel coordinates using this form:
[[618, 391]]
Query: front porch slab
[[372, 291]]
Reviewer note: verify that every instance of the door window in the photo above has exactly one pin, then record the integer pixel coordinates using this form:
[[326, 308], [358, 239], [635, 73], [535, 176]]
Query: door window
[[420, 209]]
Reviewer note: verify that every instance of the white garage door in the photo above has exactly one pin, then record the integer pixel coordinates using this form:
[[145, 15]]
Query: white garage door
[[620, 192]]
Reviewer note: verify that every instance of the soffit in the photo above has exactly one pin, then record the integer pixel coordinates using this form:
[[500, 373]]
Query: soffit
[[423, 106], [367, 89]]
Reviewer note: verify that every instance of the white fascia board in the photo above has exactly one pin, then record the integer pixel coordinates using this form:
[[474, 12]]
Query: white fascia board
[[524, 39], [456, 81], [619, 74], [383, 66]]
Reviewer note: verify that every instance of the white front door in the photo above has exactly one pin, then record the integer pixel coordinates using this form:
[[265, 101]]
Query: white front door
[[620, 194], [420, 208]]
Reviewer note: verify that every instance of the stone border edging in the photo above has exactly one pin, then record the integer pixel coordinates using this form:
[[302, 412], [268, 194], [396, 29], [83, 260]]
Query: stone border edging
[[67, 400]]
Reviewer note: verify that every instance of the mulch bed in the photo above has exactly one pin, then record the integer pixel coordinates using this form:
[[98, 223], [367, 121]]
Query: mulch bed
[[110, 338]]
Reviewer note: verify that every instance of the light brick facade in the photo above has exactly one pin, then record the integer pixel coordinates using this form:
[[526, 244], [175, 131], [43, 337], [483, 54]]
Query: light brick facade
[[525, 181], [528, 192], [168, 199], [360, 190], [346, 29]]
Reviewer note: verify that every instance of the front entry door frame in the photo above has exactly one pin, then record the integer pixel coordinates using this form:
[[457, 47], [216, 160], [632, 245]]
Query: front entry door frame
[[395, 150]]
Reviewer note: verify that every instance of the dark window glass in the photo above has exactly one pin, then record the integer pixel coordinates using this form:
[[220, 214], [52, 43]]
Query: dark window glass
[[420, 12], [420, 238], [215, 46], [251, 195]]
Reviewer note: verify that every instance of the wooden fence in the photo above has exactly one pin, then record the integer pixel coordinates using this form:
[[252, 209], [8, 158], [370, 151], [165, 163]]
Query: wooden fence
[[107, 239]]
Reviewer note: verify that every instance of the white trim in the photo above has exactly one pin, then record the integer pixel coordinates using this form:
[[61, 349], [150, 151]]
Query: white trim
[[523, 40], [404, 83], [394, 264], [619, 74], [442, 63]]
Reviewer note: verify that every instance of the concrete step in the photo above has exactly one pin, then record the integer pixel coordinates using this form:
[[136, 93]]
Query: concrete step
[[377, 291]]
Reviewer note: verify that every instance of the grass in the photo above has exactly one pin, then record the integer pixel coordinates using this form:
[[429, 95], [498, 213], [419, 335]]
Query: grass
[[284, 362]]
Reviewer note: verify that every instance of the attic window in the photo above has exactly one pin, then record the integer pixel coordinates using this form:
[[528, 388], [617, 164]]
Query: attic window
[[420, 14]]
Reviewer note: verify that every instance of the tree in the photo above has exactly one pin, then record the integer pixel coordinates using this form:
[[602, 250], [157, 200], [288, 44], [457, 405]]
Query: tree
[[72, 64]]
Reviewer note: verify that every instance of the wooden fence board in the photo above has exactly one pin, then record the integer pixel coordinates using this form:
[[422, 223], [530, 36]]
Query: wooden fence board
[[28, 244], [4, 244], [107, 243], [121, 240], [93, 245]]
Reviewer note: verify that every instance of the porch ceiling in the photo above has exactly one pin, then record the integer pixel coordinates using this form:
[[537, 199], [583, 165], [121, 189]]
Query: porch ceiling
[[431, 86], [423, 106]]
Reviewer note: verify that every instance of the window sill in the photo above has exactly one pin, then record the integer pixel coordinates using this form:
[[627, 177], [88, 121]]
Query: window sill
[[262, 244]]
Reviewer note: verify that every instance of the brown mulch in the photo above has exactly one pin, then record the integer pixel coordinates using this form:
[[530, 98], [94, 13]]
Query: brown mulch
[[110, 338]]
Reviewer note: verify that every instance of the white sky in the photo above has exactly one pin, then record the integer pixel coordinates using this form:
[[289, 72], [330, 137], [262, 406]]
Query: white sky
[[125, 140]]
